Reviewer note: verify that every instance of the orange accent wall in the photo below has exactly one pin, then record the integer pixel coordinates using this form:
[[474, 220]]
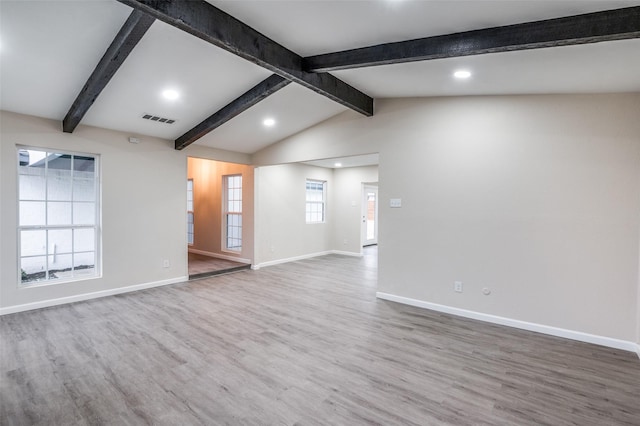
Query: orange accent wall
[[207, 205]]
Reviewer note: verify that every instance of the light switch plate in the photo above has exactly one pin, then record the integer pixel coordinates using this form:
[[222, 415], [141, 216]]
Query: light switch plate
[[395, 203]]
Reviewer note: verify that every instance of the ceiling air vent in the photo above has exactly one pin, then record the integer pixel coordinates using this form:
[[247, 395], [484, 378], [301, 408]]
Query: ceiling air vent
[[152, 117]]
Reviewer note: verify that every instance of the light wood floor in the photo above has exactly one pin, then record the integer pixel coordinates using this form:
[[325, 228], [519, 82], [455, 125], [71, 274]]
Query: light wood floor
[[304, 343], [202, 266]]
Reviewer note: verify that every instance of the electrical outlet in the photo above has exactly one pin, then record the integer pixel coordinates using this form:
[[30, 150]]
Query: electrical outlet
[[457, 286], [165, 263]]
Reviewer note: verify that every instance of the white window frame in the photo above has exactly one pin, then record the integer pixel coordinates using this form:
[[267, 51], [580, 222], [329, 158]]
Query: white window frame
[[228, 214], [96, 226], [190, 214], [310, 204]]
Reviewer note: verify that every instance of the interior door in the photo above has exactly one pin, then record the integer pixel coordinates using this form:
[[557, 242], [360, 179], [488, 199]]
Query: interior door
[[369, 215]]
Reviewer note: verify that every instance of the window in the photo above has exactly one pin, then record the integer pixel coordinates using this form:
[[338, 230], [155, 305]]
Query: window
[[232, 212], [316, 190], [58, 219], [190, 211]]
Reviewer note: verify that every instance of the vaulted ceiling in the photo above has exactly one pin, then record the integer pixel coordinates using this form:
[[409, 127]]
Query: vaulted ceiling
[[284, 59]]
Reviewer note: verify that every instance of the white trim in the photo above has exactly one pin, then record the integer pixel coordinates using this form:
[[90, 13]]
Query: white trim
[[88, 296], [219, 256], [638, 349], [539, 328], [289, 259], [346, 253], [303, 257]]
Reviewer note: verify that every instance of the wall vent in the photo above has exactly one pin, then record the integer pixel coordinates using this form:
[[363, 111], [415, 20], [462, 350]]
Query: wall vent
[[159, 119]]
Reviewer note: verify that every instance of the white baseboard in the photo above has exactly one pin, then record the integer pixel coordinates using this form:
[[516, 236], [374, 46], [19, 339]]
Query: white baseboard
[[303, 257], [87, 296], [346, 253], [220, 256], [290, 259], [539, 328]]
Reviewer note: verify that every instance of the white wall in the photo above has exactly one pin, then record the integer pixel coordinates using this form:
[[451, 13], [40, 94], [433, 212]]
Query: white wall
[[282, 233], [347, 205], [143, 207], [535, 197], [281, 228]]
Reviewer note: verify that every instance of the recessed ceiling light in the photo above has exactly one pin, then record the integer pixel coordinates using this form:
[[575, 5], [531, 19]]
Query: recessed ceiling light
[[269, 122], [338, 165], [171, 94], [462, 74]]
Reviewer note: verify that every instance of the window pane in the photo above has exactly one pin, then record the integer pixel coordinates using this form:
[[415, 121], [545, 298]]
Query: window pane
[[59, 185], [57, 161], [32, 183], [190, 228], [83, 190], [60, 266], [84, 240], [315, 201], [86, 165], [32, 158], [60, 241], [54, 190], [33, 242], [58, 213], [233, 205], [84, 264], [32, 213], [84, 213], [33, 269], [190, 195]]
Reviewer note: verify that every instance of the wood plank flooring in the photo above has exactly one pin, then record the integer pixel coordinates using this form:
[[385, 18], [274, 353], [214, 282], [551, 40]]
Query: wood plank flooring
[[205, 266], [304, 343]]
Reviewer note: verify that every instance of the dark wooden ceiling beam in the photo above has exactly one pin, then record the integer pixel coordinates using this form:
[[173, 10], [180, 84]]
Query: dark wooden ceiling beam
[[254, 95], [127, 38], [595, 27], [211, 24]]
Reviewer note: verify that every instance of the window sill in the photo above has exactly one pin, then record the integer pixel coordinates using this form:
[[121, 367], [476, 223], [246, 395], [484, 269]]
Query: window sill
[[38, 284]]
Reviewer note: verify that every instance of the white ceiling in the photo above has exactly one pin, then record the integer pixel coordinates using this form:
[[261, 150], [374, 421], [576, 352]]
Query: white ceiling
[[588, 68], [169, 58], [49, 48], [313, 27]]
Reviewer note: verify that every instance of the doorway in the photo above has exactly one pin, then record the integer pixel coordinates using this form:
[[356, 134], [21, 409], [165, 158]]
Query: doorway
[[219, 217], [369, 215]]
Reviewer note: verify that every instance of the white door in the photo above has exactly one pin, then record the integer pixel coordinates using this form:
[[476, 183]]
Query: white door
[[369, 215]]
